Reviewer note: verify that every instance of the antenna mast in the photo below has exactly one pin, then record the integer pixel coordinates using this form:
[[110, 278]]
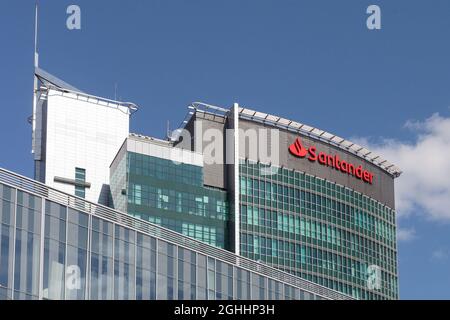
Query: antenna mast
[[35, 82], [168, 133], [36, 56]]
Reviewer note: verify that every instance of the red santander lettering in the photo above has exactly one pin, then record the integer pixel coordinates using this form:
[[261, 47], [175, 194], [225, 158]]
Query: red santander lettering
[[298, 150], [312, 154]]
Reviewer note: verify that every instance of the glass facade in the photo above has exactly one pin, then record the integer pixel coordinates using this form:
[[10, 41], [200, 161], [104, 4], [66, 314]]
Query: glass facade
[[318, 230], [171, 195], [51, 250], [80, 176]]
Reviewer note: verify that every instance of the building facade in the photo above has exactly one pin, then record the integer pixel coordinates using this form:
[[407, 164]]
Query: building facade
[[311, 203], [54, 245], [272, 190], [152, 180], [318, 230], [75, 138]]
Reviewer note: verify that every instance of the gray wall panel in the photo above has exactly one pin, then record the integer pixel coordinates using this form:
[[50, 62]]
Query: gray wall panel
[[214, 174], [382, 188]]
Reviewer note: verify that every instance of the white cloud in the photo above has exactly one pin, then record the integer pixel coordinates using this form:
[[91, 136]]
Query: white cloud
[[406, 234], [440, 254], [425, 162]]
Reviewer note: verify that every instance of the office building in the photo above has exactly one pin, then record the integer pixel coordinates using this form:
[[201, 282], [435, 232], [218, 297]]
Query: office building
[[234, 204], [54, 245], [75, 137]]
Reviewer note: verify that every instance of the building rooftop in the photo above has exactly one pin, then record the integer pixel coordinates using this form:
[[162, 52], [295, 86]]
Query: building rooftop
[[151, 139], [294, 126], [50, 82]]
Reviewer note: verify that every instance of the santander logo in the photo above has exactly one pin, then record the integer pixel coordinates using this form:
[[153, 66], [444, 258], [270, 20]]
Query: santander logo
[[298, 150]]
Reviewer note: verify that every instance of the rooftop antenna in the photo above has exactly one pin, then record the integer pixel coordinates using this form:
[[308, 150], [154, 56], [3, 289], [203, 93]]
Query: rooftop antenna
[[36, 55], [168, 133], [35, 84]]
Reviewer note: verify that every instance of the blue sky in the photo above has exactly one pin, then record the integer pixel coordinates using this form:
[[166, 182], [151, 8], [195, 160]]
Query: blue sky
[[312, 61]]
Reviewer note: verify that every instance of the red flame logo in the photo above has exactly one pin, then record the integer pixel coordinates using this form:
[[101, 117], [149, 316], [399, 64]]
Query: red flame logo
[[297, 149]]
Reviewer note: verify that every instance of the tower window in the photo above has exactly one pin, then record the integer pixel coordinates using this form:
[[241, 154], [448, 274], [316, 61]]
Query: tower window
[[80, 176]]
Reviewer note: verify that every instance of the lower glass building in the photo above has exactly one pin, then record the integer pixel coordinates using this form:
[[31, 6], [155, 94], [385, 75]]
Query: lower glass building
[[147, 183], [57, 246]]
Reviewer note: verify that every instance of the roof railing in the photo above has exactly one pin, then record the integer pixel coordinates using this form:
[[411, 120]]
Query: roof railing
[[298, 127], [321, 135], [99, 100]]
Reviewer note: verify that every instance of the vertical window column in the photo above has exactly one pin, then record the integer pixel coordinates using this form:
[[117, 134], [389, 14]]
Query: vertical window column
[[80, 176]]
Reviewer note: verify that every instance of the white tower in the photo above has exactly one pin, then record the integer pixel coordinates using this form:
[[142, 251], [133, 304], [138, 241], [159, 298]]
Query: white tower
[[75, 136]]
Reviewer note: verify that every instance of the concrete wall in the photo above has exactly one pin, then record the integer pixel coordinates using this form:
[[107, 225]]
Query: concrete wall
[[83, 134], [214, 174]]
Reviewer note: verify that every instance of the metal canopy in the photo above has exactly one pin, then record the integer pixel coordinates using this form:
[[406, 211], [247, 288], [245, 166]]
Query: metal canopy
[[51, 82], [49, 79]]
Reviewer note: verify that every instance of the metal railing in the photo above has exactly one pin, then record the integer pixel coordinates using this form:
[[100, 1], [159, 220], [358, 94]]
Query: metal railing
[[321, 135], [26, 184]]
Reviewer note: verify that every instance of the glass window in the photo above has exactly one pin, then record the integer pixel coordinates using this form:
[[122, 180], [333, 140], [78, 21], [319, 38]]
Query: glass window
[[166, 271], [145, 268], [54, 251], [26, 273], [6, 234], [101, 277], [258, 287], [124, 263], [242, 282], [80, 176], [77, 240], [201, 277], [54, 269]]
